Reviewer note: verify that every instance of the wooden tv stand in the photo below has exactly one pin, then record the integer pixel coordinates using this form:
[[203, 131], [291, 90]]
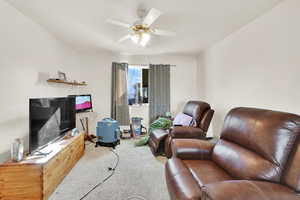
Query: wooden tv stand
[[35, 178]]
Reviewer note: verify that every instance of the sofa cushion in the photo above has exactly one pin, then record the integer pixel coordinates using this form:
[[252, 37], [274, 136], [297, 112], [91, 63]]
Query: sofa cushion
[[191, 149], [206, 171], [181, 184], [247, 190], [187, 132], [242, 163], [269, 134]]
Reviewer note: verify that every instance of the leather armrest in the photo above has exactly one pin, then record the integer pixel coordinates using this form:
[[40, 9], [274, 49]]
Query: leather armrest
[[187, 132], [180, 181], [191, 149]]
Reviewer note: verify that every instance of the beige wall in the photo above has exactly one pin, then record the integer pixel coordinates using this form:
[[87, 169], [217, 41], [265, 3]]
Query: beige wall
[[28, 57], [257, 66]]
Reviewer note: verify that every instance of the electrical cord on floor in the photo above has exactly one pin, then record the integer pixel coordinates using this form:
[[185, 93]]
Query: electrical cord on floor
[[136, 197], [112, 169]]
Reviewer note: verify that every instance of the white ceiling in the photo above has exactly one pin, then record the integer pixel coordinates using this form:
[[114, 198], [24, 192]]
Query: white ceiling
[[198, 23]]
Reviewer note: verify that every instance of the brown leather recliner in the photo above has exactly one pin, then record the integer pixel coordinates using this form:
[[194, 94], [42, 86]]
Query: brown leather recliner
[[256, 158], [160, 140], [202, 114]]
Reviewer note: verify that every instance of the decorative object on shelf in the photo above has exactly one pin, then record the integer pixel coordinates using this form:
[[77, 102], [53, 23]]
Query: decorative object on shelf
[[62, 76], [17, 150]]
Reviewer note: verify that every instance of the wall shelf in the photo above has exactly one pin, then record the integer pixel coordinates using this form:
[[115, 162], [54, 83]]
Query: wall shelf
[[66, 82]]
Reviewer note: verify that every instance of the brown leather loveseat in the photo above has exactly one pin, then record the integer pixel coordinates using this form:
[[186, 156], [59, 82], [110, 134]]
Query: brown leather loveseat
[[256, 158]]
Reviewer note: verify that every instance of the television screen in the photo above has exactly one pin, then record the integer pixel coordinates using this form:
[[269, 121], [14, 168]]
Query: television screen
[[83, 102], [49, 119]]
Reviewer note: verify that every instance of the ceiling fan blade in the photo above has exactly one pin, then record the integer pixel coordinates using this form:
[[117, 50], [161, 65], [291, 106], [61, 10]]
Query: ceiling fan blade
[[118, 23], [163, 32], [124, 38], [150, 18]]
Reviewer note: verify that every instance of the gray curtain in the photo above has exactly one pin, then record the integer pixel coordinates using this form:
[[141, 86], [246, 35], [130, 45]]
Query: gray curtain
[[159, 91], [119, 95]]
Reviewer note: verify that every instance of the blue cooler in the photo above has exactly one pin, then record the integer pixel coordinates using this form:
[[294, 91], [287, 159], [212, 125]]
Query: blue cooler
[[108, 133]]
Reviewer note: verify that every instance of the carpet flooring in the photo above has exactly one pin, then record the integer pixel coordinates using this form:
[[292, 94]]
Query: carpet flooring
[[139, 175]]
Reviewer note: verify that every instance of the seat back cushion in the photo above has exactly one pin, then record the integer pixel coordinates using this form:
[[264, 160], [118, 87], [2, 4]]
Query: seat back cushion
[[256, 143], [206, 119], [291, 175], [196, 109]]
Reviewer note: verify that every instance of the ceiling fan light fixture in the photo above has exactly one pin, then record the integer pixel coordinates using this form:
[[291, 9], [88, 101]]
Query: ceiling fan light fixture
[[135, 38], [145, 38], [141, 32]]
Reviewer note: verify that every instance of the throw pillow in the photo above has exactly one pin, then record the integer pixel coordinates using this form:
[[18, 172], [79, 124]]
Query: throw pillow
[[182, 119]]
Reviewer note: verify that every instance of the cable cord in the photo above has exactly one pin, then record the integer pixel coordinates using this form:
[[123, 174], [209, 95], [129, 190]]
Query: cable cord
[[136, 197], [108, 177]]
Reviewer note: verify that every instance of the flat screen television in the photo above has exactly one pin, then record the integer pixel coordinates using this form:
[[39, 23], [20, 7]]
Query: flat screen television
[[83, 102], [50, 119]]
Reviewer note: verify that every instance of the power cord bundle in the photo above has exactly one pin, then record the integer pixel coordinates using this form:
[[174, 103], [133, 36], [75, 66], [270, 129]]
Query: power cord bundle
[[112, 169]]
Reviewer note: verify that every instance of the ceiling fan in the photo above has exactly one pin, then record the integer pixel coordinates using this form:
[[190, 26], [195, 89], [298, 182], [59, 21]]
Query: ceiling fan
[[140, 32]]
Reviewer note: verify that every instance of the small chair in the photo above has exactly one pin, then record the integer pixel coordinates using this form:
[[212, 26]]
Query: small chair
[[160, 140]]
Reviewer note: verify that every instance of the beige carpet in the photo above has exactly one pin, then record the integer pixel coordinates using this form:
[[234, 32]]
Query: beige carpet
[[139, 175]]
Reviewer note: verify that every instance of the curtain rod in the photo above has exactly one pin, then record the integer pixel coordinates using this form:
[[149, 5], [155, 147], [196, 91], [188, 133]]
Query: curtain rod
[[148, 65]]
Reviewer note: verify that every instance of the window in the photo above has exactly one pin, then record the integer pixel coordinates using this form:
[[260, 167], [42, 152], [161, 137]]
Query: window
[[137, 85]]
